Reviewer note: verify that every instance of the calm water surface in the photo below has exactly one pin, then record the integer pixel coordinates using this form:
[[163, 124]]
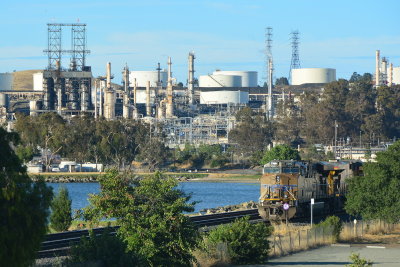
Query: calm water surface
[[210, 194]]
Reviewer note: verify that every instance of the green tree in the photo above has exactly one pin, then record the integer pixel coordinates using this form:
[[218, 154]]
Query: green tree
[[154, 153], [375, 195], [252, 133], [23, 207], [247, 243], [149, 212], [280, 152], [281, 81], [61, 212]]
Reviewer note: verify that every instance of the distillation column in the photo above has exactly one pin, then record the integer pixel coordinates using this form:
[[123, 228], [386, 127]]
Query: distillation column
[[148, 106], [169, 110], [125, 107], [191, 79], [390, 77], [109, 97], [377, 71]]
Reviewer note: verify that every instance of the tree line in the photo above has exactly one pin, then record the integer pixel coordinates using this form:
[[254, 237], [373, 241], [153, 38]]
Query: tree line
[[84, 139]]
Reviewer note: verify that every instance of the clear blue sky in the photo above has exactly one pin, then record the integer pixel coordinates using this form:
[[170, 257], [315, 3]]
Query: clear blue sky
[[226, 35]]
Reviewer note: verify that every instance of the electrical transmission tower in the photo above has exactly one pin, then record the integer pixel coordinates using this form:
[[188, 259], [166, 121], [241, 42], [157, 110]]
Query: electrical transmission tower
[[270, 67], [295, 64]]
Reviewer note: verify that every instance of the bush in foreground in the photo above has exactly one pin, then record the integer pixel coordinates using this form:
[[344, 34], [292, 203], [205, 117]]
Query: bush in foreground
[[246, 243], [357, 261], [150, 215], [103, 250], [334, 223], [61, 212]]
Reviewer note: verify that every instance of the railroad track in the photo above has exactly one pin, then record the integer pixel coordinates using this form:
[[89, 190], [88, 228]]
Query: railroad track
[[59, 244]]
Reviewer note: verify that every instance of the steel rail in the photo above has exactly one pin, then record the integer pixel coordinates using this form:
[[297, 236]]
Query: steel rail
[[59, 244]]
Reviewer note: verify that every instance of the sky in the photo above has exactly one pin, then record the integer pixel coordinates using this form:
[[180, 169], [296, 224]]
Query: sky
[[225, 35]]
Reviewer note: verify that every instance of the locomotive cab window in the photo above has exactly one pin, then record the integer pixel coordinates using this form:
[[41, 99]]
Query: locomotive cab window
[[271, 170]]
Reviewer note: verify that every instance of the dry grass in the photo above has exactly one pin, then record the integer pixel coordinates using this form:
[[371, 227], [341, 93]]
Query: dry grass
[[373, 231], [283, 229], [212, 257], [294, 238], [23, 80]]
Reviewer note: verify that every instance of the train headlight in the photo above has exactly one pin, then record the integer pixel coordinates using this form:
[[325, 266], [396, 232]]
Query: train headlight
[[278, 178]]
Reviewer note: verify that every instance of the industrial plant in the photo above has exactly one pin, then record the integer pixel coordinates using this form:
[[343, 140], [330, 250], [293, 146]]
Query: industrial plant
[[200, 112]]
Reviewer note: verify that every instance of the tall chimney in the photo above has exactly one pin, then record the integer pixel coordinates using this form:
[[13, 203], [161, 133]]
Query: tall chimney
[[169, 110], [377, 72], [191, 79], [134, 92], [109, 75], [390, 78], [148, 107], [125, 108]]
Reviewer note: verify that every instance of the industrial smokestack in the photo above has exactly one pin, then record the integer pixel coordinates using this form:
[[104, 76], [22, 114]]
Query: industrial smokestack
[[377, 72], [384, 71], [390, 79], [169, 110], [148, 107], [191, 79], [109, 75], [95, 98], [134, 92], [125, 108], [169, 70]]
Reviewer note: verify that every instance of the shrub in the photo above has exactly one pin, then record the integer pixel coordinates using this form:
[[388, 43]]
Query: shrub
[[246, 243], [150, 215], [61, 214], [104, 249], [358, 262], [335, 224]]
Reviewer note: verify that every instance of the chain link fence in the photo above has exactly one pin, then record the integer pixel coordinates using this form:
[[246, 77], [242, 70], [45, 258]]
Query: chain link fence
[[300, 240]]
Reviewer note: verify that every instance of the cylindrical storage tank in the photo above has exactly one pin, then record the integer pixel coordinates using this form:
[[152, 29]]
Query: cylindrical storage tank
[[141, 96], [6, 81], [396, 75], [313, 75], [38, 81], [224, 97], [143, 76], [3, 100], [220, 81], [249, 78]]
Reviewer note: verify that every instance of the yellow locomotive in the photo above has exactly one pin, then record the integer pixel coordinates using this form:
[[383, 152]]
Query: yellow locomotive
[[287, 187]]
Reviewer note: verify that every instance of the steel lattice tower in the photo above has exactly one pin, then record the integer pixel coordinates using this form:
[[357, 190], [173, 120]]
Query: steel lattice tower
[[54, 46], [295, 64], [270, 67]]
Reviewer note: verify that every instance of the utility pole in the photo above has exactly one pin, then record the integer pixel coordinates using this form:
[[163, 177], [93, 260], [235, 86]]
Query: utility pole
[[334, 150]]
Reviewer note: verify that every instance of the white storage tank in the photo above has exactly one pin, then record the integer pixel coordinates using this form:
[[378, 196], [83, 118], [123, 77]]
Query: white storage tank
[[219, 80], [249, 78], [396, 75], [142, 96], [143, 76], [224, 97], [6, 81], [38, 81], [313, 75]]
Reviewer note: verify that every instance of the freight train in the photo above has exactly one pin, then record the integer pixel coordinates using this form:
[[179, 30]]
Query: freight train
[[288, 187]]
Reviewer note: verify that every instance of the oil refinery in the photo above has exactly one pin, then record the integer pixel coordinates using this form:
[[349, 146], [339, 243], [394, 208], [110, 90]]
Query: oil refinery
[[200, 112]]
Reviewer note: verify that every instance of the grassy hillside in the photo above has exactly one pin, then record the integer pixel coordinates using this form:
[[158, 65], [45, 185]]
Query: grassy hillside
[[23, 80]]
